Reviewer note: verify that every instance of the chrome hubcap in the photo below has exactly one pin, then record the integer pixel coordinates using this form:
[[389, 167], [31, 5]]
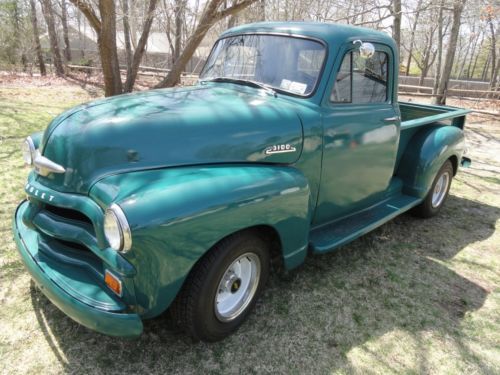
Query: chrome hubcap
[[237, 287], [440, 189]]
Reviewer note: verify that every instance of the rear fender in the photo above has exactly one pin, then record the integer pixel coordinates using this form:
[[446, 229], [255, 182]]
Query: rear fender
[[425, 154], [176, 215]]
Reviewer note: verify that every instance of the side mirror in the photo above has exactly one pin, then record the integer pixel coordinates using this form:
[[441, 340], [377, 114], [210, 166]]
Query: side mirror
[[366, 50]]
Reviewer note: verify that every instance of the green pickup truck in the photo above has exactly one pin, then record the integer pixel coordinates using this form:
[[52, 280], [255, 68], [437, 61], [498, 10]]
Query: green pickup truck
[[185, 199]]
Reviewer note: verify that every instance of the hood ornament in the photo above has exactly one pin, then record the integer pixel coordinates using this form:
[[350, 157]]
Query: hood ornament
[[44, 166]]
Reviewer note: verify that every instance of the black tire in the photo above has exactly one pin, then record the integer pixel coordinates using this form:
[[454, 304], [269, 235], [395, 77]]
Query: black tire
[[427, 209], [194, 309]]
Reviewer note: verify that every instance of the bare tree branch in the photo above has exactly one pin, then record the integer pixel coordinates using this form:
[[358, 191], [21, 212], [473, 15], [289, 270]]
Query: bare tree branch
[[89, 13]]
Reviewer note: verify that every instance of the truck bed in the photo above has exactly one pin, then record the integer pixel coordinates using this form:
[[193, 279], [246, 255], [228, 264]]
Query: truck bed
[[415, 115]]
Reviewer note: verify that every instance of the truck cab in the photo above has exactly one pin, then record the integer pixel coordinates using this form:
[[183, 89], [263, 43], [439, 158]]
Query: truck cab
[[292, 143]]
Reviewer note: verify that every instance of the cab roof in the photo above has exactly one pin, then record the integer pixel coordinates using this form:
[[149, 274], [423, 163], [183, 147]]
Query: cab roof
[[331, 33]]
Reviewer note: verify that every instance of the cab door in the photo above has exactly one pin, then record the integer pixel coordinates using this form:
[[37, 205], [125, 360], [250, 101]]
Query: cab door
[[361, 133]]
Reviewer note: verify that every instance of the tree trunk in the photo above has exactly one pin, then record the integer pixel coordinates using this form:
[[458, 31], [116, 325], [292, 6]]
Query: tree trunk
[[486, 67], [495, 86], [494, 68], [209, 17], [106, 41], [471, 60], [105, 28], [126, 35], [231, 22], [36, 39], [461, 66], [179, 11], [17, 35], [396, 26], [64, 21], [54, 44], [80, 36], [141, 45], [412, 37], [437, 77], [427, 62], [477, 57], [262, 10]]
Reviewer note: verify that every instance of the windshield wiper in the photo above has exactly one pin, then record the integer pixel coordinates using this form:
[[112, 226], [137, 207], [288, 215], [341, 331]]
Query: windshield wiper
[[242, 82]]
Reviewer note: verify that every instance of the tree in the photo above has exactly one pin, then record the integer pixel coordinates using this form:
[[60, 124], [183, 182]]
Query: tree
[[458, 7], [427, 56], [141, 45], [179, 13], [64, 21], [209, 17], [396, 26], [126, 35], [106, 41], [439, 47], [412, 36], [17, 32], [105, 28], [494, 65], [36, 38], [48, 14]]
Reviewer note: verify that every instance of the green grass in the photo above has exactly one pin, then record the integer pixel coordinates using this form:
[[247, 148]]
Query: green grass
[[414, 296]]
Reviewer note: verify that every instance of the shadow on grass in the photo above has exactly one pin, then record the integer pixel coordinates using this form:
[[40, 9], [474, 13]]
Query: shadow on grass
[[393, 279]]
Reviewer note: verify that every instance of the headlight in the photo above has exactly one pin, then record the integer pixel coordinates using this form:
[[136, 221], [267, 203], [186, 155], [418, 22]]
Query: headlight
[[28, 149], [116, 229]]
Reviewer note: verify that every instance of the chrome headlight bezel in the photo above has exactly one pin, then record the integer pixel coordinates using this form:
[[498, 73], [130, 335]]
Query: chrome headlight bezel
[[115, 216], [29, 151]]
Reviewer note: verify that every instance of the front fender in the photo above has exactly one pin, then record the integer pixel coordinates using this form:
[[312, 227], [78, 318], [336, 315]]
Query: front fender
[[425, 154], [178, 214]]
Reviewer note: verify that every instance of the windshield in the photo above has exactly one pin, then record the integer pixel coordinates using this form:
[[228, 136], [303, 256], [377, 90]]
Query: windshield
[[281, 62]]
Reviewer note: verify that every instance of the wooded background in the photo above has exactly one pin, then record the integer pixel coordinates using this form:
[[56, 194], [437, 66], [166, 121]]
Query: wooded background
[[437, 39]]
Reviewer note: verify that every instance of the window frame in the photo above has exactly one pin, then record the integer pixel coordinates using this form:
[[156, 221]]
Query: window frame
[[390, 76]]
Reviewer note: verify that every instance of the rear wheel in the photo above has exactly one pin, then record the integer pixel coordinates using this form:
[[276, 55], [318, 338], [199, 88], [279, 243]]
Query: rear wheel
[[438, 193], [222, 289]]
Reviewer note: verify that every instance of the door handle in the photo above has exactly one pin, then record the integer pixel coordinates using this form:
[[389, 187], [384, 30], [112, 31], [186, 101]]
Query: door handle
[[392, 119]]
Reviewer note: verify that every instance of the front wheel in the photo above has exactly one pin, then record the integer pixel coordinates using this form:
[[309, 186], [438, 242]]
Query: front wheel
[[223, 287], [438, 193]]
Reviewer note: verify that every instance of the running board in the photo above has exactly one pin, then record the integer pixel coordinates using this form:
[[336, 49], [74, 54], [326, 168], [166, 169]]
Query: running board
[[330, 236]]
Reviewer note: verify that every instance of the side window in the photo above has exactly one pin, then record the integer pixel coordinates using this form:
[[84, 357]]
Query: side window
[[361, 80]]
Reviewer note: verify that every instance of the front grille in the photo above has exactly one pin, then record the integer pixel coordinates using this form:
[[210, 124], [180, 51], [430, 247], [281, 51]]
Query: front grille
[[73, 245], [64, 235], [67, 213]]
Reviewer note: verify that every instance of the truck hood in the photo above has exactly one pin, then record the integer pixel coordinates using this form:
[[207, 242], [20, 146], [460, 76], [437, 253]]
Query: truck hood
[[205, 124]]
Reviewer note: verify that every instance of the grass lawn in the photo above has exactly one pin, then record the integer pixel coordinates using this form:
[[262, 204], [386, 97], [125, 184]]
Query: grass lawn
[[414, 296]]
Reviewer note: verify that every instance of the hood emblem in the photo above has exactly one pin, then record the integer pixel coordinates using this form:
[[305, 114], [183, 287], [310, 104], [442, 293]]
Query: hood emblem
[[44, 166], [279, 149]]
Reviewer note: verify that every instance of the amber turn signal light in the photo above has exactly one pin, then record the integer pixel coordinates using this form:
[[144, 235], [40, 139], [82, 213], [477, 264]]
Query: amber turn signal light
[[113, 283]]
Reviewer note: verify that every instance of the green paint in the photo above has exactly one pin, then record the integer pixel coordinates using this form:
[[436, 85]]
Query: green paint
[[188, 167]]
